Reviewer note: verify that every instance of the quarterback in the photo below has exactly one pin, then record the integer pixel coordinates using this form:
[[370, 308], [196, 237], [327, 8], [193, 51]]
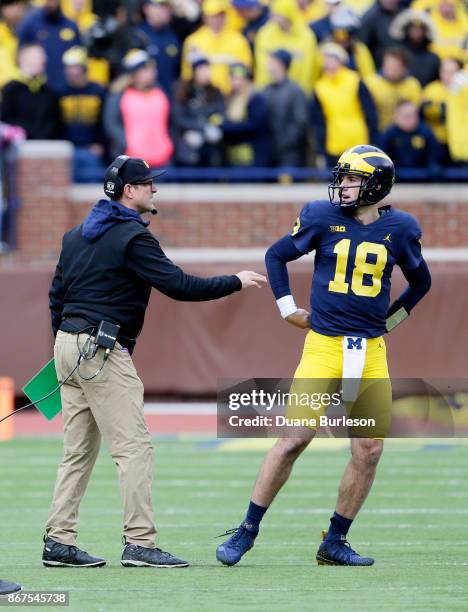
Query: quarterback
[[357, 242]]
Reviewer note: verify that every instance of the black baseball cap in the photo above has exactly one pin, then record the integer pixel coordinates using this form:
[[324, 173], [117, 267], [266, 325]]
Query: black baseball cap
[[136, 171]]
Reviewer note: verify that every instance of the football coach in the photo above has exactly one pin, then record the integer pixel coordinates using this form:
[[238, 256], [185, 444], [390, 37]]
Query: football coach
[[105, 273]]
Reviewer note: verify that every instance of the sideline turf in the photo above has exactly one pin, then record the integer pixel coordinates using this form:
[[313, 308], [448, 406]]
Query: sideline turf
[[415, 524]]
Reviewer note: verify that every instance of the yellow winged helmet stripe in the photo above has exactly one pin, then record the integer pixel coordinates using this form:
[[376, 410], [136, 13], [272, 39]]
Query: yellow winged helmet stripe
[[357, 161]]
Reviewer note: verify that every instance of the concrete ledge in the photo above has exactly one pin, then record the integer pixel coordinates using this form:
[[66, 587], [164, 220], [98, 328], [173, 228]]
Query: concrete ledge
[[222, 255], [9, 264], [45, 149], [437, 193]]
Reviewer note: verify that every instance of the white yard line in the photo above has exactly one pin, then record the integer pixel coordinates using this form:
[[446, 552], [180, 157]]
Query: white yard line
[[177, 408]]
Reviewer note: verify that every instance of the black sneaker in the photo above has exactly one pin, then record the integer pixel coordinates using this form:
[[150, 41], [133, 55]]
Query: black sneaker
[[9, 587], [62, 555], [138, 556]]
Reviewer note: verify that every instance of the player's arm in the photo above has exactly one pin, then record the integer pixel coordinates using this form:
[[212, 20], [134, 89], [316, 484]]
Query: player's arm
[[276, 259], [302, 239], [419, 281], [417, 274]]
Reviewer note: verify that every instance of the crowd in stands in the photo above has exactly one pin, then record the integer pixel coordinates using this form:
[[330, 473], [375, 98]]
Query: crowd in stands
[[238, 83]]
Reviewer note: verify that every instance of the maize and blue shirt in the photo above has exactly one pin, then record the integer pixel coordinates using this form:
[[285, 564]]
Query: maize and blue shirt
[[81, 110], [353, 265]]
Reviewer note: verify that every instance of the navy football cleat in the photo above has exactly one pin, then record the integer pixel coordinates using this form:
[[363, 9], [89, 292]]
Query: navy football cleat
[[337, 551], [231, 551]]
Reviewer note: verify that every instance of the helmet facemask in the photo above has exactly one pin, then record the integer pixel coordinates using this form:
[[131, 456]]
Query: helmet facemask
[[368, 190]]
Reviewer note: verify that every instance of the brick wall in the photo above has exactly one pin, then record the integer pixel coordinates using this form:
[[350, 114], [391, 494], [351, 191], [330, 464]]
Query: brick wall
[[43, 180], [257, 224], [193, 216]]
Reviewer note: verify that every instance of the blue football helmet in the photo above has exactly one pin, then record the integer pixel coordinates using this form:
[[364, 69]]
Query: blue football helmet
[[377, 172]]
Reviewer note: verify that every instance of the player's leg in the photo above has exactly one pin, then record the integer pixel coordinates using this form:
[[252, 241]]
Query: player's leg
[[318, 366], [81, 444], [277, 467], [354, 488], [273, 473], [357, 480], [118, 407], [359, 476]]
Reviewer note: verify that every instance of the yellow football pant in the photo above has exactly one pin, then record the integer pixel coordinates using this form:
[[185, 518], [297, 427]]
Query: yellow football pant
[[319, 375]]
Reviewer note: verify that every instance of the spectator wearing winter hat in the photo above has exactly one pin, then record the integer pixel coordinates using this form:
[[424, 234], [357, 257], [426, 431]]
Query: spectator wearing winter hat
[[81, 12], [136, 112], [254, 14], [343, 112], [416, 32], [287, 112], [245, 127], [197, 113], [344, 24], [286, 30], [218, 43], [81, 104], [163, 44]]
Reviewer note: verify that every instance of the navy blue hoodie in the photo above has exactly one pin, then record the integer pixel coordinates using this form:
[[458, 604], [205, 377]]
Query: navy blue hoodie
[[104, 215], [108, 266]]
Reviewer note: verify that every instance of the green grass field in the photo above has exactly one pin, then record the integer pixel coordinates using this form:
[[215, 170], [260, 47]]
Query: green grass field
[[414, 523]]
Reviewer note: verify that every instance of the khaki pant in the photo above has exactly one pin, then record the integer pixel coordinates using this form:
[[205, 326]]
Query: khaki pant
[[111, 406]]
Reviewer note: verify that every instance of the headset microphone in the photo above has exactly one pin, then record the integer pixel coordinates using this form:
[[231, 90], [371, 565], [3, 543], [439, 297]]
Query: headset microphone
[[153, 211]]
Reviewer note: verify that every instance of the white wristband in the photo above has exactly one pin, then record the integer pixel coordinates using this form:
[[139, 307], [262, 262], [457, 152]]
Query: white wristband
[[286, 305]]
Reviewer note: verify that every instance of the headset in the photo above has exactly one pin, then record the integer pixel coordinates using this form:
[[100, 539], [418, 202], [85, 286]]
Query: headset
[[113, 184]]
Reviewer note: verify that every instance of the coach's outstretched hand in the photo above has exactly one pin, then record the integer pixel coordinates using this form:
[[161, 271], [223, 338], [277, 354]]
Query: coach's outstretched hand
[[300, 318], [251, 279]]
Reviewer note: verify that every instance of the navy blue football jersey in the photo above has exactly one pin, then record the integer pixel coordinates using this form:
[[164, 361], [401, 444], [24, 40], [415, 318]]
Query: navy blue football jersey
[[353, 265]]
